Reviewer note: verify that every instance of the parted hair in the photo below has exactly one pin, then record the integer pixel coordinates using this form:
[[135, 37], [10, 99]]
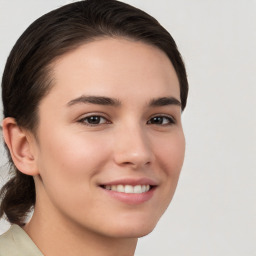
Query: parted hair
[[27, 74]]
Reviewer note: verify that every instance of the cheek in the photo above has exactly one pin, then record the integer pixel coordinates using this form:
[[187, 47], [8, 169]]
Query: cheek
[[171, 153], [68, 165], [71, 158]]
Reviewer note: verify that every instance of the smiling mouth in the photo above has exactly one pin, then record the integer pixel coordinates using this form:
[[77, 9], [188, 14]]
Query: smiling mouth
[[128, 189]]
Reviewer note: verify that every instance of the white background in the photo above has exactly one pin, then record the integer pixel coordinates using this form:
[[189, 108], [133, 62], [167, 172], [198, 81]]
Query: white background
[[214, 209]]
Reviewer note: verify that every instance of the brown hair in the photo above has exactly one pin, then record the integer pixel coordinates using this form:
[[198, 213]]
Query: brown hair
[[26, 79]]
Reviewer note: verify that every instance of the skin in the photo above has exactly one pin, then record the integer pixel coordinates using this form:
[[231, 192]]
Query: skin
[[69, 158]]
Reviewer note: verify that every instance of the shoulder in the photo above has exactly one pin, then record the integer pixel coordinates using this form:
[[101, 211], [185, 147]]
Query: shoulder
[[7, 244], [16, 242]]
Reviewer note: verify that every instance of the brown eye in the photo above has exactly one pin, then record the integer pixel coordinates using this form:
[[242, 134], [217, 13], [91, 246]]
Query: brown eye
[[93, 120], [161, 120]]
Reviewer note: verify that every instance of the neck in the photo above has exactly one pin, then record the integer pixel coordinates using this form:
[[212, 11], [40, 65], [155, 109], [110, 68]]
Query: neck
[[62, 237]]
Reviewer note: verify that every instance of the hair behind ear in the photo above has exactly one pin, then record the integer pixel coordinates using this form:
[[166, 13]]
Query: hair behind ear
[[18, 197], [18, 194]]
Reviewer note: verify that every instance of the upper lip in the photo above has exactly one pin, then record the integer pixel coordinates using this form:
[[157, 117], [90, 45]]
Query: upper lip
[[132, 181]]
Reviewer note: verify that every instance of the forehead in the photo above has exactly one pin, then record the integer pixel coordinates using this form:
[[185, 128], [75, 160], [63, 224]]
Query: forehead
[[115, 68]]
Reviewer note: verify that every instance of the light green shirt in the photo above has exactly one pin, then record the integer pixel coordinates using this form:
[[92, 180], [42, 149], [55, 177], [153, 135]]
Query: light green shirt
[[16, 242]]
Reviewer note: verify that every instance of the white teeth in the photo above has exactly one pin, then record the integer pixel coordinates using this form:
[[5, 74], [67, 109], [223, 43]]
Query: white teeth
[[119, 188], [137, 189], [129, 189]]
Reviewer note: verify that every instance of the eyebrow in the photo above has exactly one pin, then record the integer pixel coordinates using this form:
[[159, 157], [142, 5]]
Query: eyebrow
[[164, 101], [98, 100], [107, 101]]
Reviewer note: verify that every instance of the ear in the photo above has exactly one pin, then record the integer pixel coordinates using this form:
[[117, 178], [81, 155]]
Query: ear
[[21, 145]]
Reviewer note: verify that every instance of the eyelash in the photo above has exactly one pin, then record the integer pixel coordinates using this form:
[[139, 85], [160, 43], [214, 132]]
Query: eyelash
[[84, 120], [169, 120]]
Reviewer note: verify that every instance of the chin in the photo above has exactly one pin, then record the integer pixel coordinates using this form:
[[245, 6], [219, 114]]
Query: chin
[[133, 232], [133, 228]]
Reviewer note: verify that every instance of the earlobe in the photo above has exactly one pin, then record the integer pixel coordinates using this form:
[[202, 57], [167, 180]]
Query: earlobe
[[20, 146]]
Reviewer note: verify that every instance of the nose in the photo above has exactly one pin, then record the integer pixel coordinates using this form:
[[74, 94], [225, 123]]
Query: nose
[[132, 148]]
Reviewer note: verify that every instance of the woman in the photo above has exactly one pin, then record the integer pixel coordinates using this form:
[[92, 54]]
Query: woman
[[93, 94]]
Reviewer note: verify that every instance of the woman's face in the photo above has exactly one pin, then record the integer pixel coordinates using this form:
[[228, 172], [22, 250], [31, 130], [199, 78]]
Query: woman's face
[[110, 144]]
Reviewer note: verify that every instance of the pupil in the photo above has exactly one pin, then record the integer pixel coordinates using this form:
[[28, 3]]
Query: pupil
[[157, 120], [94, 120]]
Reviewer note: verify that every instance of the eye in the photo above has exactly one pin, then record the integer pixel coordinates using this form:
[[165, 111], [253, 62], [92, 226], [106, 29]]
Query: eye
[[93, 120], [161, 120]]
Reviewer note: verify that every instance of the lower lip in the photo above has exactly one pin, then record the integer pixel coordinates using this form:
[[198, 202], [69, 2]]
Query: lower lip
[[131, 198]]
